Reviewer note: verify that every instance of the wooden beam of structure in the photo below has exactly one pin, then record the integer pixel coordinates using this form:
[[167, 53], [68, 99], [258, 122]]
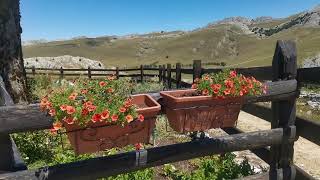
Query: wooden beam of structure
[[305, 128], [135, 160]]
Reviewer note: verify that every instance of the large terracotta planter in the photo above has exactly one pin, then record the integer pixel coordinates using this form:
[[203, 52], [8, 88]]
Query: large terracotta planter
[[189, 113], [100, 136]]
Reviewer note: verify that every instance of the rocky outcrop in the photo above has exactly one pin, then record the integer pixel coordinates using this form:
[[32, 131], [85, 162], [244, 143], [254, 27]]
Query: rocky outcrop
[[62, 61], [11, 62], [312, 62]]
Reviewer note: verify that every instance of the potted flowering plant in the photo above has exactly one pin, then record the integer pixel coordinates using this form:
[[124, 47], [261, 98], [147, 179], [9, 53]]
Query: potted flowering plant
[[99, 115], [213, 102]]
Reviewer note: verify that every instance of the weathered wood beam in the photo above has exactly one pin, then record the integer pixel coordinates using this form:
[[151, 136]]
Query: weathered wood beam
[[128, 162]]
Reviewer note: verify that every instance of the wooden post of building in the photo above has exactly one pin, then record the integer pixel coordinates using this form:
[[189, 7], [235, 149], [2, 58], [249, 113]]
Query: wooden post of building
[[196, 69], [117, 72], [141, 73], [160, 73], [178, 75], [164, 74], [169, 75], [33, 71], [61, 73], [284, 66], [89, 72]]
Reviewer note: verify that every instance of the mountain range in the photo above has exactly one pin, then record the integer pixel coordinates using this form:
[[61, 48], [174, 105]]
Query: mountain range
[[236, 41]]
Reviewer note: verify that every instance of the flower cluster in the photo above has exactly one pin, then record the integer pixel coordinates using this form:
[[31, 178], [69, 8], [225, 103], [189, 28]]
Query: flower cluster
[[93, 101], [228, 83]]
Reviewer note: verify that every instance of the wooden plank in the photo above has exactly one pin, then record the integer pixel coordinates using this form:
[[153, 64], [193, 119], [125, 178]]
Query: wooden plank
[[89, 72], [141, 73], [160, 74], [169, 76], [126, 162], [21, 118], [117, 72], [197, 70], [309, 75], [164, 75], [284, 112], [305, 127], [178, 75], [186, 71]]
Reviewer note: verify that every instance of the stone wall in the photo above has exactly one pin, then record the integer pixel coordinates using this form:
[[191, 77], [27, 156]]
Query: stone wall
[[11, 61]]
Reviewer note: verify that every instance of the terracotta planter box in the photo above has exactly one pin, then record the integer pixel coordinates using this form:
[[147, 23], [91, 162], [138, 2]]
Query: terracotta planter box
[[187, 113], [101, 136]]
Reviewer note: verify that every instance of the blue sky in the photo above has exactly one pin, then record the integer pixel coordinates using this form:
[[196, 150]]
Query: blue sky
[[62, 19]]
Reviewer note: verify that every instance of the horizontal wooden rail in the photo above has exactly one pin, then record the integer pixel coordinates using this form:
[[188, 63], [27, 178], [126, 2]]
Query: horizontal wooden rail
[[264, 154], [309, 75], [132, 161], [305, 128]]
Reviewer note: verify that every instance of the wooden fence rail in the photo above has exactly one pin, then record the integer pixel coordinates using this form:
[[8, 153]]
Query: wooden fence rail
[[282, 92]]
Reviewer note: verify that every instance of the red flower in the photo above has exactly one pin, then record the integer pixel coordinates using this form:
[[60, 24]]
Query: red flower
[[114, 117], [84, 112], [102, 83], [140, 117], [92, 108], [71, 109], [215, 88], [88, 103], [69, 120], [233, 74], [226, 92], [127, 103], [122, 110], [63, 107], [241, 93], [138, 146], [57, 125], [129, 118], [105, 114], [52, 112], [206, 78], [96, 118], [205, 92], [73, 96], [229, 83], [43, 103], [53, 131]]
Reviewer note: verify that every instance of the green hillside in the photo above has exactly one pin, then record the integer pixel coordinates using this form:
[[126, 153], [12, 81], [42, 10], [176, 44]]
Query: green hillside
[[220, 43]]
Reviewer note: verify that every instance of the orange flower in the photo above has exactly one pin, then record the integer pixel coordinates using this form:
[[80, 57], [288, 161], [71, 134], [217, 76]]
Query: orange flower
[[206, 78], [114, 117], [102, 83], [215, 88], [226, 92], [233, 74], [229, 83], [205, 92], [57, 125], [140, 117], [73, 96], [128, 103], [194, 86], [111, 78], [241, 93], [63, 107], [84, 91], [122, 110], [53, 131], [71, 109], [95, 118], [52, 112], [129, 118], [110, 90], [105, 114]]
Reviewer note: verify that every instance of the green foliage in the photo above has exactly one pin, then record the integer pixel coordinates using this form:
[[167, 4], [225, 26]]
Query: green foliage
[[213, 168], [145, 174], [150, 86]]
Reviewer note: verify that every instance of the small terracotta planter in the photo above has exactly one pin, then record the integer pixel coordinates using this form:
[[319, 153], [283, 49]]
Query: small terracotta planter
[[188, 113], [101, 136]]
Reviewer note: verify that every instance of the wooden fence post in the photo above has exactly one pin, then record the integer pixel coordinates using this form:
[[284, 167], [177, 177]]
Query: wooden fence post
[[61, 73], [284, 66], [164, 74], [160, 73], [89, 72], [117, 72], [33, 71], [141, 73], [169, 75], [178, 75], [196, 69]]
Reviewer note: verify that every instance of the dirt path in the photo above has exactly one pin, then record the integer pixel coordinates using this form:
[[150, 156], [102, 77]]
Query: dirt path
[[306, 155]]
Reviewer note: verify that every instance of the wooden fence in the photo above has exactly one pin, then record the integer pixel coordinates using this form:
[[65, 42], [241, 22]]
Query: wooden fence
[[286, 126]]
